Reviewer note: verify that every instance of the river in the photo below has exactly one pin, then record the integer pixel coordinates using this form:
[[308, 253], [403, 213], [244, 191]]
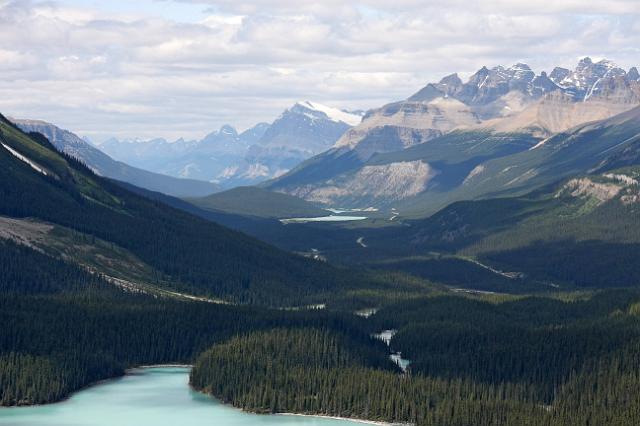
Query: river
[[158, 396]]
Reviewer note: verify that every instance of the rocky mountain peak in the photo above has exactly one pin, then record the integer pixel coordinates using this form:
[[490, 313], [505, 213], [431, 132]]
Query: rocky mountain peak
[[520, 66], [542, 85], [451, 80], [228, 130], [487, 85], [224, 140], [585, 62], [479, 76], [588, 76], [558, 74]]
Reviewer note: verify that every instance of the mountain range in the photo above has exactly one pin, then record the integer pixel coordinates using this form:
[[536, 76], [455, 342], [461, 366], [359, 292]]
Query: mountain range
[[453, 140], [229, 158]]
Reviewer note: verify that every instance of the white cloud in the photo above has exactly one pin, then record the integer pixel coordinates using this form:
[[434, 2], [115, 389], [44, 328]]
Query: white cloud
[[144, 74]]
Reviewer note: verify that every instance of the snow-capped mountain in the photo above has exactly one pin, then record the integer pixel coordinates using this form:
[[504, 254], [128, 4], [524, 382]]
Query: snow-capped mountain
[[308, 127], [257, 154], [317, 111], [300, 132], [588, 77], [498, 93]]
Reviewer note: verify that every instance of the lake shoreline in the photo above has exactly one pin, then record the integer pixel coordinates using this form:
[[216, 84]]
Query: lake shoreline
[[350, 419], [319, 416], [131, 371], [139, 367], [127, 372]]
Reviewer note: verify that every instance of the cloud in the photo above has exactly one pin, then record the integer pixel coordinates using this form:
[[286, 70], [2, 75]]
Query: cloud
[[146, 74]]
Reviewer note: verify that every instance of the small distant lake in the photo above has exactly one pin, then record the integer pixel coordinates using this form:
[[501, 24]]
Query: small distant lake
[[148, 397], [330, 218]]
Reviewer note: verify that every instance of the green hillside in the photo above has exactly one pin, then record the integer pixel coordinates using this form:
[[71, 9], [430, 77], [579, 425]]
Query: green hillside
[[187, 253]]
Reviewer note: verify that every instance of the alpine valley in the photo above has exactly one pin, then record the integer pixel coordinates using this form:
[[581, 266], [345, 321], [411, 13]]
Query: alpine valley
[[467, 256]]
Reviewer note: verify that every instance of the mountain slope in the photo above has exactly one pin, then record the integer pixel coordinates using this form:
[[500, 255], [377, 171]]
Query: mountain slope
[[570, 153], [104, 165], [580, 232], [189, 253], [558, 111], [391, 179], [257, 202], [578, 151]]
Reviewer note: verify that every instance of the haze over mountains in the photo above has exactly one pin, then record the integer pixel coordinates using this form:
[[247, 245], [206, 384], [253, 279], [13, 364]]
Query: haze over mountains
[[106, 166], [230, 159]]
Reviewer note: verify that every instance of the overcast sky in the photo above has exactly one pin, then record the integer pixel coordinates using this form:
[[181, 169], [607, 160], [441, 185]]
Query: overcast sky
[[146, 68]]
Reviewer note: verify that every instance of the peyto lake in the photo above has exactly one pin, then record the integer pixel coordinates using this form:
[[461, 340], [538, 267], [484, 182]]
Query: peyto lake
[[158, 396]]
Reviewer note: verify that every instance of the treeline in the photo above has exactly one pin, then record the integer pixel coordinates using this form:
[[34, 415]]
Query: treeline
[[299, 372], [55, 344], [504, 361], [63, 328]]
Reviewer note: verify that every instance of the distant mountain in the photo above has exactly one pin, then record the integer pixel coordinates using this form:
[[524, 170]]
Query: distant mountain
[[234, 159], [142, 153], [207, 159], [393, 179], [434, 145], [106, 166]]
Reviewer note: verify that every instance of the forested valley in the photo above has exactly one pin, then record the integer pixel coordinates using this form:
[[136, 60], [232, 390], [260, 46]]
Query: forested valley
[[529, 361], [63, 328]]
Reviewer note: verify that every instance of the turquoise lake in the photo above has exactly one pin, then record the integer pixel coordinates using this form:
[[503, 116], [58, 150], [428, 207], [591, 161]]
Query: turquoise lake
[[147, 397]]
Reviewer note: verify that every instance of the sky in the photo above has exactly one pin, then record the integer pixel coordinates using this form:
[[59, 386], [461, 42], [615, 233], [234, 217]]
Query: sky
[[169, 68]]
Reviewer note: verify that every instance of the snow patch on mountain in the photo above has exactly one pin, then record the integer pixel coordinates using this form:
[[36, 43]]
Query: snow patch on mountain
[[333, 114], [24, 159]]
